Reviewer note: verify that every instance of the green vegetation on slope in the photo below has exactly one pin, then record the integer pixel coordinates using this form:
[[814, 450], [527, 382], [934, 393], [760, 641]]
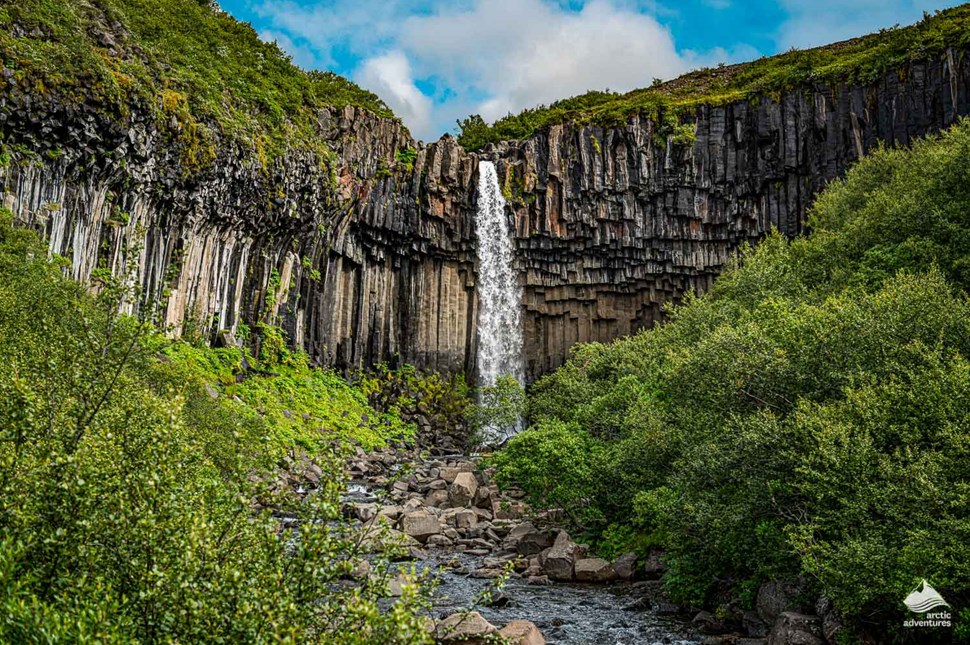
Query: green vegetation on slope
[[808, 418], [190, 63], [862, 60], [127, 486]]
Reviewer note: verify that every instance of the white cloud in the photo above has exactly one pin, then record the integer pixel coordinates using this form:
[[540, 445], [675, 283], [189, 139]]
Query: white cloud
[[520, 53], [494, 56], [389, 76], [818, 22]]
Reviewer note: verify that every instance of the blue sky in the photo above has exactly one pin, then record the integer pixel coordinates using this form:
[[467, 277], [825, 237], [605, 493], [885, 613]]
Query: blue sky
[[434, 61]]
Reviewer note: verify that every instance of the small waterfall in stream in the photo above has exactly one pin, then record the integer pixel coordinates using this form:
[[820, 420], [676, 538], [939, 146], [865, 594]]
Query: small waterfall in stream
[[499, 294]]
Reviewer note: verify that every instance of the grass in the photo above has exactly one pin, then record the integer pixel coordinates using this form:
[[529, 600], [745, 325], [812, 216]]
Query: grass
[[197, 69], [861, 60], [299, 404]]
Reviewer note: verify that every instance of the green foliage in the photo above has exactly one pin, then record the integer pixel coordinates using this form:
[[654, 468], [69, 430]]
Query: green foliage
[[189, 61], [406, 158], [555, 463], [407, 392], [862, 60], [127, 490], [807, 417], [298, 404], [498, 411]]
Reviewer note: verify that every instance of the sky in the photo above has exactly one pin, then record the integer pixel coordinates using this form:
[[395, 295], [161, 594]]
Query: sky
[[436, 61]]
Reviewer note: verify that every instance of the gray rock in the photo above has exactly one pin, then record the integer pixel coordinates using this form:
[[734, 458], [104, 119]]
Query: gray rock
[[420, 525], [462, 490], [560, 561], [626, 566], [594, 570], [466, 628], [791, 628], [775, 597]]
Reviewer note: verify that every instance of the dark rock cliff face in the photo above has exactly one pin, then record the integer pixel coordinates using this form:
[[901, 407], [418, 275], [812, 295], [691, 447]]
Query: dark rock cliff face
[[362, 259]]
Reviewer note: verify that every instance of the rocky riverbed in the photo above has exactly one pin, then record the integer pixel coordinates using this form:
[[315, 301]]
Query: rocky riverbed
[[449, 519], [456, 523]]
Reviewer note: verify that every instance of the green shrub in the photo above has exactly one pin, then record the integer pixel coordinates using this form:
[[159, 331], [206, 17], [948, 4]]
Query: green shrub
[[806, 419], [127, 491]]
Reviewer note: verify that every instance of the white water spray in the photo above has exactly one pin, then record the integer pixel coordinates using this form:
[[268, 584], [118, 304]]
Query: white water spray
[[499, 294]]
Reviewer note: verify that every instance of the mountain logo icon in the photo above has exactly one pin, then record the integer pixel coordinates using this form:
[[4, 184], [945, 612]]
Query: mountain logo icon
[[924, 598]]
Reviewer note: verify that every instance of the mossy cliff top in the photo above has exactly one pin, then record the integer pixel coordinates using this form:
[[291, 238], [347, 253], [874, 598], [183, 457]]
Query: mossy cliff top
[[861, 60], [202, 73]]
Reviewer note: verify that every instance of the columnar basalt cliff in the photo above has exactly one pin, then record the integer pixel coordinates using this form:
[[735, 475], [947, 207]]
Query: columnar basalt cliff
[[362, 256]]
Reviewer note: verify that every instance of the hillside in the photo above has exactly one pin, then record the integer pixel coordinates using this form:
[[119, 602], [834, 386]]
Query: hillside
[[186, 62], [861, 60]]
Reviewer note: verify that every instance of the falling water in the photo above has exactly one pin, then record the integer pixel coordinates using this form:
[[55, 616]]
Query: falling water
[[499, 295]]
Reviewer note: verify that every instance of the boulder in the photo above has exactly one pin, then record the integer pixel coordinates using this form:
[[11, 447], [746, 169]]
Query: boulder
[[753, 625], [420, 525], [559, 563], [462, 490], [526, 539], [626, 566], [466, 519], [775, 597], [467, 628], [522, 632], [594, 570], [436, 498], [653, 568], [791, 628]]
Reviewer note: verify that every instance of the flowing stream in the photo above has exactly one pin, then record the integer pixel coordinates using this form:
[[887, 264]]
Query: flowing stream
[[499, 293]]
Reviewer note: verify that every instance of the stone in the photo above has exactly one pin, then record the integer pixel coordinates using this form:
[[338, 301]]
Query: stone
[[462, 490], [466, 628], [626, 566], [752, 625], [466, 519], [708, 623], [653, 568], [522, 632], [594, 570], [560, 561], [420, 525], [526, 539], [791, 628], [437, 498], [775, 597]]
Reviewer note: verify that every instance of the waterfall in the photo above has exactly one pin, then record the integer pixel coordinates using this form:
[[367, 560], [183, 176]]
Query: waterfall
[[499, 294]]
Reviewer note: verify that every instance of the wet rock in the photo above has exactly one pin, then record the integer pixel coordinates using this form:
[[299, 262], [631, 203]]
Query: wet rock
[[775, 597], [594, 570], [559, 563], [653, 567], [522, 632], [753, 625], [420, 525], [526, 539], [625, 566], [708, 623], [465, 628], [791, 628]]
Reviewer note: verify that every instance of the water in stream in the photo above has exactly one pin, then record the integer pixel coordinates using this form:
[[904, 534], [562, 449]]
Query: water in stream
[[567, 614]]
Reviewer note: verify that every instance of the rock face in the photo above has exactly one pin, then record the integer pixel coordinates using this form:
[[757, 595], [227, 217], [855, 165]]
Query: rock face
[[362, 258]]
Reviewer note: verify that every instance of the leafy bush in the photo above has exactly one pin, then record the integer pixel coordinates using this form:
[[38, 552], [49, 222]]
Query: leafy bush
[[127, 491], [807, 418]]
